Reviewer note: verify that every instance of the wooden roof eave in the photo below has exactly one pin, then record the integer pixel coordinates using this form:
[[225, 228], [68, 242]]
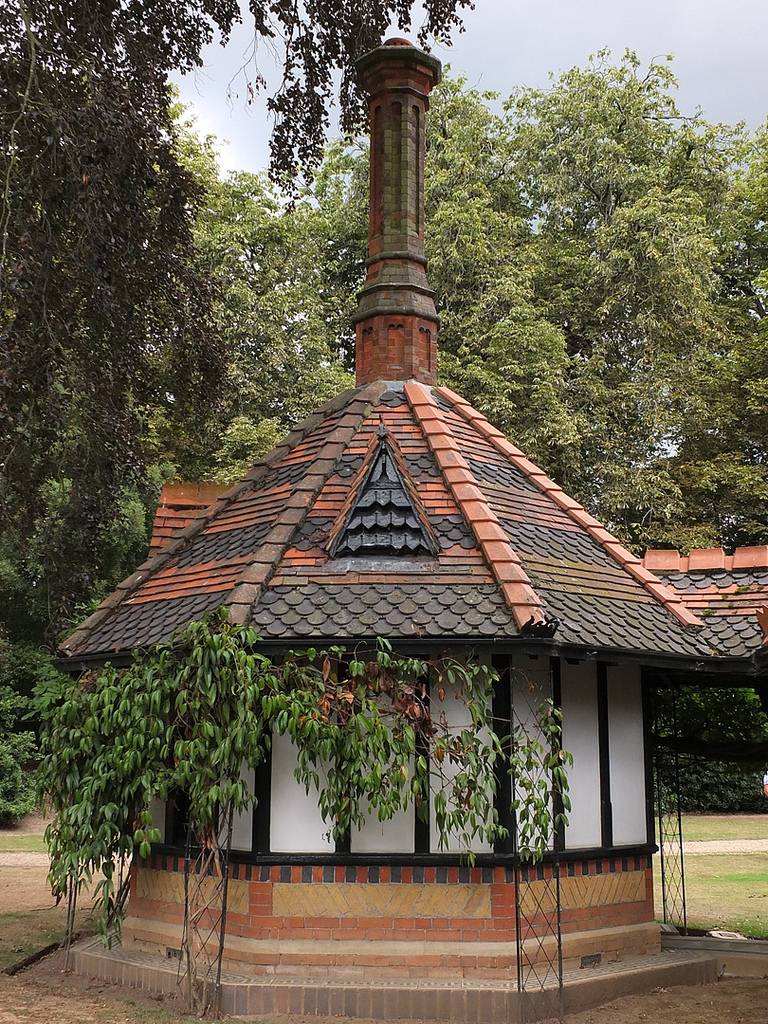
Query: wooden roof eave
[[712, 670]]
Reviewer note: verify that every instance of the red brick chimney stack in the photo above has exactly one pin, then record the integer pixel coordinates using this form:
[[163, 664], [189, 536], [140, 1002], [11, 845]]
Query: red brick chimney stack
[[396, 321]]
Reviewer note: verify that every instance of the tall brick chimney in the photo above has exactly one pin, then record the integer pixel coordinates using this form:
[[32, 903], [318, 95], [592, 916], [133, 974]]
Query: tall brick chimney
[[396, 322]]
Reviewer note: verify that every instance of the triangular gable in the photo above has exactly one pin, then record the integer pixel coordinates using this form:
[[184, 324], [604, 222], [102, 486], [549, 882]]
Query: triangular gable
[[383, 514]]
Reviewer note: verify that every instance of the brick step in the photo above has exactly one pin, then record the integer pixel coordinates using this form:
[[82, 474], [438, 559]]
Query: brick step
[[459, 998]]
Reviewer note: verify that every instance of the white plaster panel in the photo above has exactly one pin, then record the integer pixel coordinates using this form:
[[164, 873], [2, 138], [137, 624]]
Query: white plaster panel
[[458, 718], [580, 738], [392, 836], [295, 822], [626, 747], [531, 685], [157, 810], [242, 824]]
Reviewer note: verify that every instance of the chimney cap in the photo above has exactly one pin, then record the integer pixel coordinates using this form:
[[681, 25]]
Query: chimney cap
[[401, 52]]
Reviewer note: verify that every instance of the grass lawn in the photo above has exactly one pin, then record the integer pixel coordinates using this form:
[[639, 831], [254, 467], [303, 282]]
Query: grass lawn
[[22, 844], [725, 826], [24, 933], [728, 891]]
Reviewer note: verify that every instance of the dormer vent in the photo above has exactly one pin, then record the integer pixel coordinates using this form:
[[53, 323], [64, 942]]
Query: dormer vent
[[385, 517]]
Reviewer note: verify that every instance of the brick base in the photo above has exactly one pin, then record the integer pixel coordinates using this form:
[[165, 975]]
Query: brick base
[[427, 920], [378, 960]]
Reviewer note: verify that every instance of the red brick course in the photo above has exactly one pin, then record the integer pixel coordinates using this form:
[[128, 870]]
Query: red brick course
[[500, 926]]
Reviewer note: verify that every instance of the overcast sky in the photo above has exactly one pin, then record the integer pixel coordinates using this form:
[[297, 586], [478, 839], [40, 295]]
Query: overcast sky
[[720, 49]]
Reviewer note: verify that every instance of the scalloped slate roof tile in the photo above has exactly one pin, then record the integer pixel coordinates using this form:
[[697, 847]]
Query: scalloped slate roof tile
[[513, 551]]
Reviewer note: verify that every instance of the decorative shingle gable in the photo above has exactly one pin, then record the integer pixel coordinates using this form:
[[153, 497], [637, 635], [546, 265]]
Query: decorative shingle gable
[[383, 514]]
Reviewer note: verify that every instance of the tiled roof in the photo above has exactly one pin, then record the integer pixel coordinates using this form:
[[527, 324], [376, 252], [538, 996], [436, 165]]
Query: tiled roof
[[509, 555], [728, 592]]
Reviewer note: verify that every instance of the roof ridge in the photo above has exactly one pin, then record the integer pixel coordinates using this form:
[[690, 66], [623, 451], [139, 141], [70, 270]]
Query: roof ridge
[[576, 511], [501, 557], [160, 559], [252, 582], [670, 560]]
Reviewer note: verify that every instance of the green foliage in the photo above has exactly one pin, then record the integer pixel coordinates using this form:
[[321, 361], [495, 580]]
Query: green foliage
[[720, 786], [496, 347], [17, 746], [279, 304], [22, 668], [721, 737], [187, 715], [719, 723], [102, 314], [633, 208], [16, 749]]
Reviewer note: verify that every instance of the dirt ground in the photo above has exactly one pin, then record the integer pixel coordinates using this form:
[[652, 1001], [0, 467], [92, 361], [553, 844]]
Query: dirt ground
[[34, 824], [45, 994]]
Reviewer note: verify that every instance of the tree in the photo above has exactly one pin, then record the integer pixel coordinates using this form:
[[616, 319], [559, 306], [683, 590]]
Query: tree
[[101, 312], [496, 347], [720, 737], [19, 670], [280, 315], [637, 239], [723, 455]]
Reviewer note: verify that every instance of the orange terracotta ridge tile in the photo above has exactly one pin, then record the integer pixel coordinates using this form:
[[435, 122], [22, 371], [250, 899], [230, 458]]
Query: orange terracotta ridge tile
[[503, 560], [577, 512], [670, 560]]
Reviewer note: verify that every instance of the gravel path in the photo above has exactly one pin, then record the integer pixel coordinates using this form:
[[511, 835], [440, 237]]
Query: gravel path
[[727, 846], [23, 860]]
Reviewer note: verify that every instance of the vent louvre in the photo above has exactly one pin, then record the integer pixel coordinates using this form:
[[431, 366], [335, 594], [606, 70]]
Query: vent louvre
[[384, 518]]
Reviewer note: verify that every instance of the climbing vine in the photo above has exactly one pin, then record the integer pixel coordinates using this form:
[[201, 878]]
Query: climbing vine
[[374, 733]]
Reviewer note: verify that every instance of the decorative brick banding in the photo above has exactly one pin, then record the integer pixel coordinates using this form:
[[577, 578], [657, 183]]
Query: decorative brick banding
[[395, 917]]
